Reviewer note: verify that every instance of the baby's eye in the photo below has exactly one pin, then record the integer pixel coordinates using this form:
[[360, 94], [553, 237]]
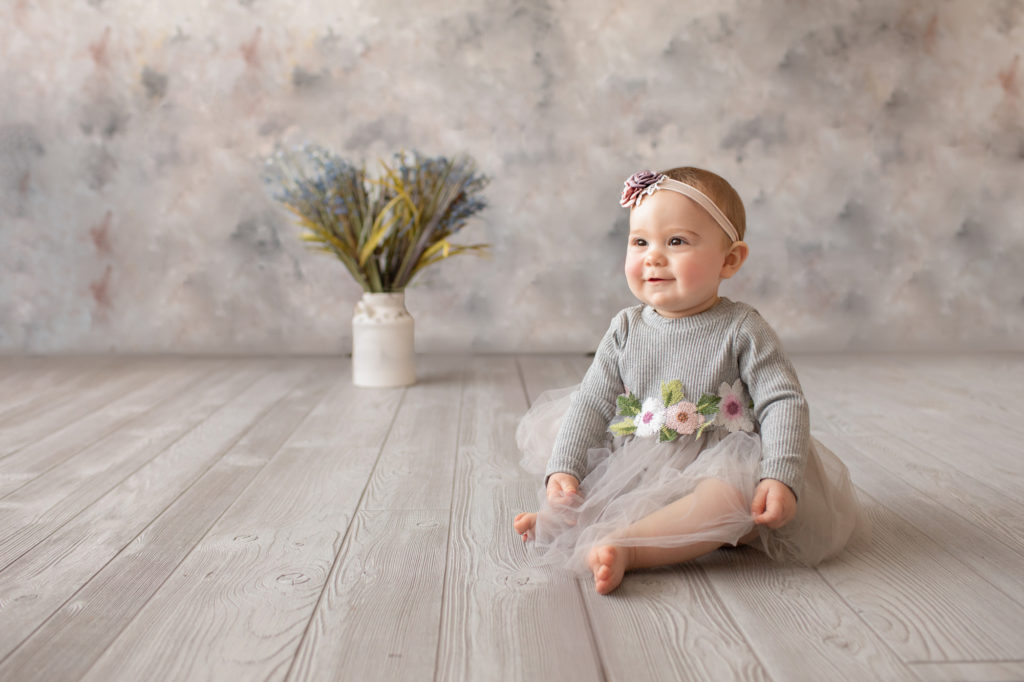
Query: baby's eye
[[637, 241], [676, 241]]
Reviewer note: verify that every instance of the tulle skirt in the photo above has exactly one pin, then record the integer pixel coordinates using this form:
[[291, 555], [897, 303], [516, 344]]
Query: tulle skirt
[[633, 478]]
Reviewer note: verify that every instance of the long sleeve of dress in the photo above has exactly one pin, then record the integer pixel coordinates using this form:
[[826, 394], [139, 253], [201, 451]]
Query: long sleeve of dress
[[585, 425], [779, 404]]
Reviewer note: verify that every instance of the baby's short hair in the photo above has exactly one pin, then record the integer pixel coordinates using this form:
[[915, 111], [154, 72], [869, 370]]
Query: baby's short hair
[[718, 189]]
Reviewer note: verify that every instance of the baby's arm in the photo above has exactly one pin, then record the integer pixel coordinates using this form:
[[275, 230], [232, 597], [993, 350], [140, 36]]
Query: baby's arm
[[779, 404], [592, 406]]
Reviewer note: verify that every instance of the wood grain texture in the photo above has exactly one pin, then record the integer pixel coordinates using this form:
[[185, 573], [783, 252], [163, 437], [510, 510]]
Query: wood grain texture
[[988, 671], [29, 390], [378, 616], [797, 625], [22, 429], [37, 509], [936, 399], [38, 457], [415, 466], [115, 594], [43, 578], [222, 527], [883, 399], [975, 524], [973, 399], [502, 619], [669, 624], [239, 604], [928, 605]]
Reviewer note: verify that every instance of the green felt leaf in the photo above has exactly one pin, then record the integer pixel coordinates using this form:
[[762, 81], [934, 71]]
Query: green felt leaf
[[667, 435], [625, 427], [629, 405], [672, 392], [703, 426], [708, 404]]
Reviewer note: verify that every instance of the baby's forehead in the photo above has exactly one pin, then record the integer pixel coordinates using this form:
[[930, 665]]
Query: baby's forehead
[[665, 205], [671, 223]]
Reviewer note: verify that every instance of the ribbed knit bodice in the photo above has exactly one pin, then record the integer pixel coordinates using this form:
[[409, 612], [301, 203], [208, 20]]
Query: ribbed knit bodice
[[729, 341]]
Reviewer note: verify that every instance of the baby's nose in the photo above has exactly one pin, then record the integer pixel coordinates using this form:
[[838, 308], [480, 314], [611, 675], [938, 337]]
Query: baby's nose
[[654, 255]]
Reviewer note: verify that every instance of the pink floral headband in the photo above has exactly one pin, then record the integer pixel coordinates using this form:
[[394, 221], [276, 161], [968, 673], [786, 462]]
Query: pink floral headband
[[644, 183]]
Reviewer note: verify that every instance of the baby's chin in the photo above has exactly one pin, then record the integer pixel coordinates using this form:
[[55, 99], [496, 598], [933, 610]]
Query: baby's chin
[[681, 311]]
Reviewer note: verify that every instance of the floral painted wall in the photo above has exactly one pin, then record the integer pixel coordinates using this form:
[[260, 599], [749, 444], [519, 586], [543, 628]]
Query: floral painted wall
[[879, 145]]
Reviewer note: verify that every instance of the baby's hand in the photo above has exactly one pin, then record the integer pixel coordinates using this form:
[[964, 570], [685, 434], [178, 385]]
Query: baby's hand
[[563, 489], [774, 504]]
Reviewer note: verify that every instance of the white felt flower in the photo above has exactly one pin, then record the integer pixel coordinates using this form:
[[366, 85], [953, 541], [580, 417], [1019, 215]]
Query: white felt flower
[[651, 418]]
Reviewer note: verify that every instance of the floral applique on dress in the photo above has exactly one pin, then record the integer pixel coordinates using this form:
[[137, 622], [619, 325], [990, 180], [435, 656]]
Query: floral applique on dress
[[670, 416]]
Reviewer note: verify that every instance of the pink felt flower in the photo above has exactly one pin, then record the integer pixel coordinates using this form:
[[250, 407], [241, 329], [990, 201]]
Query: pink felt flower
[[637, 186], [651, 418], [732, 413], [683, 418]]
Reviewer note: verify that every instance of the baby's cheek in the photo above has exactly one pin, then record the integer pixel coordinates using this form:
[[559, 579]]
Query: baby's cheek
[[634, 267], [699, 271]]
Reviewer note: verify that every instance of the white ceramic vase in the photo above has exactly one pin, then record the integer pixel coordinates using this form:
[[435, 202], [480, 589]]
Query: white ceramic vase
[[383, 351]]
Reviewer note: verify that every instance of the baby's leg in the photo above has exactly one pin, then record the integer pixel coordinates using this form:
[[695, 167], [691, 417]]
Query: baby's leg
[[713, 503]]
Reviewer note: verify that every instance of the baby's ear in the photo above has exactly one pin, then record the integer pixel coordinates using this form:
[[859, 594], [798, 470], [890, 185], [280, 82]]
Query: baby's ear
[[734, 259]]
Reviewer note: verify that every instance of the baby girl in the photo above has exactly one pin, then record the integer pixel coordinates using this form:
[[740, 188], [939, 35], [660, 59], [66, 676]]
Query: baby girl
[[689, 431]]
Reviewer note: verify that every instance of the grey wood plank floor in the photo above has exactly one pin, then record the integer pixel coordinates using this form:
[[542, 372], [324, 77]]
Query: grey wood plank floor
[[260, 518]]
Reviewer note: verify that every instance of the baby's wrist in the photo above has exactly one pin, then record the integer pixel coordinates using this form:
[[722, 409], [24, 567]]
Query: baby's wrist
[[788, 486]]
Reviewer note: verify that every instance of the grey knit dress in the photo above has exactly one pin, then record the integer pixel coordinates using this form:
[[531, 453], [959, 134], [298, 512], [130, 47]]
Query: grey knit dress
[[667, 404]]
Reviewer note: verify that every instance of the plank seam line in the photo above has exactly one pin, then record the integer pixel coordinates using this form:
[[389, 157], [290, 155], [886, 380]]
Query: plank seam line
[[953, 557], [212, 523], [451, 515], [875, 635], [732, 621], [967, 567], [70, 398], [1003, 457], [60, 389], [589, 619], [133, 472], [32, 402], [120, 551], [198, 380], [939, 463], [963, 663], [344, 538], [132, 384]]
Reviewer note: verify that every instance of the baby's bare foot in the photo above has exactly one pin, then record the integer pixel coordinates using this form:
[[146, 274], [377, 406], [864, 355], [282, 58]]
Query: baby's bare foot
[[609, 564], [524, 524]]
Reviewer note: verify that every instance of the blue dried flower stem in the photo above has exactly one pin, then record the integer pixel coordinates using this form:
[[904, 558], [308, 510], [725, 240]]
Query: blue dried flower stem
[[310, 202], [447, 196], [383, 230]]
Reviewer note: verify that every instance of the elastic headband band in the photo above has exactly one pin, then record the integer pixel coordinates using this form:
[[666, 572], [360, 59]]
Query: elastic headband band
[[644, 183]]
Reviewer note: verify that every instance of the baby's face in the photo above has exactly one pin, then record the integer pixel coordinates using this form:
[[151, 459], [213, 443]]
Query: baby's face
[[675, 256]]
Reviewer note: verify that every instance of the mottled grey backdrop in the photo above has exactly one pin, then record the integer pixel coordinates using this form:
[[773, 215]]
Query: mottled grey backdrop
[[879, 145]]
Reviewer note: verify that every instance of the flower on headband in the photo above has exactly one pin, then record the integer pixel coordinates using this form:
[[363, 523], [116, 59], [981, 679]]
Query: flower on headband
[[639, 185]]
